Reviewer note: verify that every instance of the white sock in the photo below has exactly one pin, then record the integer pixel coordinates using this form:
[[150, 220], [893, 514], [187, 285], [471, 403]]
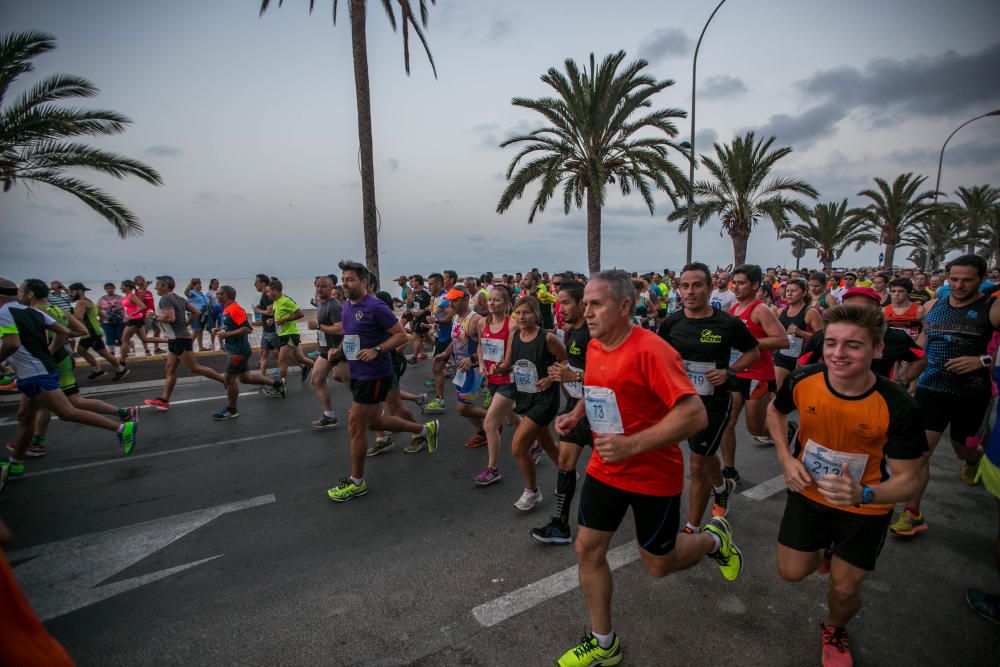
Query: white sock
[[121, 427], [716, 539], [329, 414], [357, 481], [604, 641], [720, 489], [424, 431], [693, 528]]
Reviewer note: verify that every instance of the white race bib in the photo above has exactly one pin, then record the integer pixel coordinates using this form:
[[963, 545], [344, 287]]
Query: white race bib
[[493, 349], [574, 389], [696, 373], [525, 377], [602, 410], [820, 461], [794, 347], [351, 346]]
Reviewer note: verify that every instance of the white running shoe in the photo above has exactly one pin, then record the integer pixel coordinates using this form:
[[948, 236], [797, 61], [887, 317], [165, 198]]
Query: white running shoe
[[528, 500]]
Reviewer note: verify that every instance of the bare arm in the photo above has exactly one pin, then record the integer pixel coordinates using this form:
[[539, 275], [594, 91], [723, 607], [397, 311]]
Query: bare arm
[[776, 338], [9, 345]]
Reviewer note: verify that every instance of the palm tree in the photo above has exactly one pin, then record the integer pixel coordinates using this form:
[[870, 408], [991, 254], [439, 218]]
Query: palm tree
[[896, 208], [829, 230], [990, 238], [977, 202], [34, 133], [933, 237], [362, 94], [743, 191], [596, 137]]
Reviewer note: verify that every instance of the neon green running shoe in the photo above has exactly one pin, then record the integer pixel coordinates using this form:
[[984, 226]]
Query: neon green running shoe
[[347, 490], [728, 555], [433, 428], [589, 652], [435, 406], [126, 436]]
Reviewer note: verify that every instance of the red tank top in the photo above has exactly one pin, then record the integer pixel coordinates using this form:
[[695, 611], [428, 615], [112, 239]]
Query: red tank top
[[908, 320], [763, 368], [494, 344]]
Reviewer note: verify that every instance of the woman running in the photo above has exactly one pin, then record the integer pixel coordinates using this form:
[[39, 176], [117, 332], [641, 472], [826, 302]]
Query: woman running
[[495, 333], [135, 319], [800, 321]]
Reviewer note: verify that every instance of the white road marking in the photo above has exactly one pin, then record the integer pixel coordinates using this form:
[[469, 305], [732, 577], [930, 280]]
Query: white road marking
[[496, 611], [64, 576], [127, 459], [766, 489], [13, 421]]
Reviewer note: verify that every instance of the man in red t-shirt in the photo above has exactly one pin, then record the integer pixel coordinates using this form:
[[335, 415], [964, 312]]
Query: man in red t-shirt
[[640, 404]]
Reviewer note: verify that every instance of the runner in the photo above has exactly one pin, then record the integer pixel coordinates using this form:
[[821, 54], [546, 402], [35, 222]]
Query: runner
[[368, 325], [285, 313], [902, 313], [233, 334], [174, 316], [418, 319], [532, 351], [722, 297], [135, 320], [703, 337], [26, 347], [754, 386], [855, 426], [881, 286], [496, 332], [87, 312], [818, 290], [640, 404], [329, 334], [921, 293], [981, 602], [439, 286], [954, 389], [152, 328], [269, 334], [850, 282], [800, 320], [477, 296]]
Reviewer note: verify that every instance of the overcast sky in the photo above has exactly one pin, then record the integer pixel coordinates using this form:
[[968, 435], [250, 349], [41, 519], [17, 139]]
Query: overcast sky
[[252, 123]]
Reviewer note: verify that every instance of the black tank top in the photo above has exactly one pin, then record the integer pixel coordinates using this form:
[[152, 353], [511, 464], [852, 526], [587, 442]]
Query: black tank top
[[531, 362], [799, 320]]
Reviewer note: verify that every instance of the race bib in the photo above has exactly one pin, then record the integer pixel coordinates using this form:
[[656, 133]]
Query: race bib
[[351, 346], [696, 373], [525, 377], [794, 347], [602, 410], [460, 377], [493, 349], [734, 354], [574, 389], [820, 461]]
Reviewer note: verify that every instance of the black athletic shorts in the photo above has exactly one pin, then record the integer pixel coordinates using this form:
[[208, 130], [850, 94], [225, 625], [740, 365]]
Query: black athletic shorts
[[965, 414], [269, 340], [237, 364], [602, 507], [95, 343], [371, 392], [855, 538], [751, 390], [179, 346], [706, 442], [581, 435], [421, 328], [292, 340], [440, 346], [784, 361], [539, 408], [508, 390], [137, 323]]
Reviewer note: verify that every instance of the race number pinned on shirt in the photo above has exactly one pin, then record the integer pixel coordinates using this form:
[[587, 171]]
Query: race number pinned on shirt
[[602, 410], [794, 347], [820, 461], [525, 376], [696, 371], [460, 377], [493, 349], [351, 346], [574, 389]]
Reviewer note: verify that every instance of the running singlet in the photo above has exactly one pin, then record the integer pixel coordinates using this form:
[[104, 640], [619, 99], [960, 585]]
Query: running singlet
[[462, 346], [577, 341], [60, 316], [284, 307], [530, 362], [799, 320], [147, 299], [233, 318], [92, 320], [494, 346], [704, 344], [178, 328], [763, 368], [132, 311], [957, 332], [640, 381], [906, 321], [32, 358], [856, 433], [328, 312]]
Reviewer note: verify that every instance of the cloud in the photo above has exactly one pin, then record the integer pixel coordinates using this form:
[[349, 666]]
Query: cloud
[[975, 154], [499, 29], [664, 43], [160, 150], [350, 185], [724, 85], [57, 211], [392, 164], [805, 129], [207, 197]]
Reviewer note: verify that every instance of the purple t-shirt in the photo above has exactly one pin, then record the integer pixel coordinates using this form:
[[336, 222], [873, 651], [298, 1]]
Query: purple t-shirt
[[370, 320]]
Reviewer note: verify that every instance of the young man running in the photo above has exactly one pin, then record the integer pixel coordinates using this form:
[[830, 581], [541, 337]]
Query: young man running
[[439, 286], [703, 336], [286, 312], [640, 403], [855, 426], [268, 333], [86, 312], [234, 335], [173, 316], [463, 350], [330, 332], [368, 326]]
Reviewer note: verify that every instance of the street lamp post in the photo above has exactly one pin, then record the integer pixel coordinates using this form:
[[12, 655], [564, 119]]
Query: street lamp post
[[694, 84], [937, 185]]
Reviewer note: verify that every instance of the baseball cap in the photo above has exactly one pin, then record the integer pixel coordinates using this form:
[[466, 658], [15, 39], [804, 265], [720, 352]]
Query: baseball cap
[[863, 291], [456, 292], [401, 278], [79, 286]]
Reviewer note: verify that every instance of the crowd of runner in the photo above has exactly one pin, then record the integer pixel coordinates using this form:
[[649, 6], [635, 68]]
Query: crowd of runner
[[876, 366]]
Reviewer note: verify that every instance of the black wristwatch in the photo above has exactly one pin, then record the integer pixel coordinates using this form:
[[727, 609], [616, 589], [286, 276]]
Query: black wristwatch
[[985, 360], [378, 350], [731, 371]]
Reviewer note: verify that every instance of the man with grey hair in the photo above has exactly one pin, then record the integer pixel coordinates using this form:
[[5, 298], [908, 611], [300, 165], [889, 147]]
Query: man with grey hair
[[640, 404]]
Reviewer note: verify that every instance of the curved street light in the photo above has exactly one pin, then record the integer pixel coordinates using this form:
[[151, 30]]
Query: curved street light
[[937, 185], [694, 83]]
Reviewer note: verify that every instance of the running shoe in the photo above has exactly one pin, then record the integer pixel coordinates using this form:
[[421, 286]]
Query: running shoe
[[984, 604], [35, 450], [417, 444], [325, 422], [555, 532], [282, 388], [381, 444], [15, 469], [126, 436], [129, 414], [4, 473], [528, 500], [121, 372], [728, 555], [536, 453], [836, 648], [733, 474], [9, 386], [347, 489], [96, 373], [763, 441], [270, 392], [969, 474], [158, 403], [306, 371], [226, 413], [476, 440], [421, 401], [908, 525], [487, 476], [435, 407], [429, 384], [433, 429], [721, 506], [589, 652], [412, 360]]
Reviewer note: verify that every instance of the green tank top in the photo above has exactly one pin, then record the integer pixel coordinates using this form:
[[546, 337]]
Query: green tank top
[[92, 320]]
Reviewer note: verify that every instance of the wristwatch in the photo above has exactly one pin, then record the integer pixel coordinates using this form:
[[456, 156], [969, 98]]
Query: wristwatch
[[378, 349], [867, 495], [985, 360], [732, 372]]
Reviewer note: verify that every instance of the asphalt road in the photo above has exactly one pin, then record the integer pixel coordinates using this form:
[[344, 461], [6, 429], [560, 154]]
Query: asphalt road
[[215, 543]]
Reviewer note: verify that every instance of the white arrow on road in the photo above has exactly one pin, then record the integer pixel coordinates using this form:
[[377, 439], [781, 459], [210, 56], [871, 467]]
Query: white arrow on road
[[64, 576]]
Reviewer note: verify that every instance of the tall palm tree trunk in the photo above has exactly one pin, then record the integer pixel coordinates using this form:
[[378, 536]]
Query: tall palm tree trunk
[[970, 247], [363, 95], [593, 232], [740, 239], [890, 254]]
